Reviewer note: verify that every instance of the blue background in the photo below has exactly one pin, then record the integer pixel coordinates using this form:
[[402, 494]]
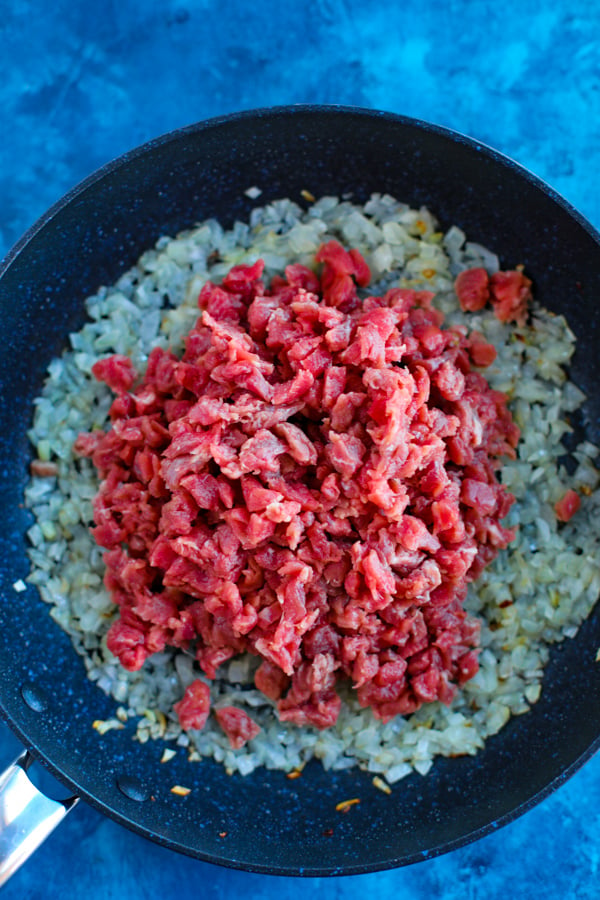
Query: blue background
[[80, 83]]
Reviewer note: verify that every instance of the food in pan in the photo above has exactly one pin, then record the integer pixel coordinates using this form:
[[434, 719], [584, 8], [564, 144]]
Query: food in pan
[[249, 504]]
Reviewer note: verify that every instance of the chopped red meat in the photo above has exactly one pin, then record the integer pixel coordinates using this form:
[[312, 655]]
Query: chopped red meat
[[41, 469], [567, 506], [314, 482], [481, 353], [127, 643], [509, 293], [473, 289], [237, 725], [339, 262], [192, 710], [510, 296], [116, 371], [271, 680]]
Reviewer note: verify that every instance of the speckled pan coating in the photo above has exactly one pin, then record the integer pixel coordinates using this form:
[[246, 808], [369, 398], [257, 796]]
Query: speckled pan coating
[[271, 823]]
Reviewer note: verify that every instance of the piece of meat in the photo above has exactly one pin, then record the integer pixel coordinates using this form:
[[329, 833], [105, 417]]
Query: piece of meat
[[508, 291], [193, 709], [41, 469], [117, 371], [511, 295], [128, 644], [472, 288], [237, 725], [567, 506], [271, 680]]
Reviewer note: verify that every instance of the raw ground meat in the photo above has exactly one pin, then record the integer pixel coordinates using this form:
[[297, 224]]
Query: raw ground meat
[[314, 482]]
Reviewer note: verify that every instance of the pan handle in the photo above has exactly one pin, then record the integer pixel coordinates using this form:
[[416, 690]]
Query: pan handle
[[27, 816]]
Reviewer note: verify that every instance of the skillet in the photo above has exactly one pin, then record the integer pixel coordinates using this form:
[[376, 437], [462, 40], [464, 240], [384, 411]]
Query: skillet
[[264, 822]]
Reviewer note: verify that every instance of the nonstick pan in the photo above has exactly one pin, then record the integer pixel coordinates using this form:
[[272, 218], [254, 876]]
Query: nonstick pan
[[266, 822]]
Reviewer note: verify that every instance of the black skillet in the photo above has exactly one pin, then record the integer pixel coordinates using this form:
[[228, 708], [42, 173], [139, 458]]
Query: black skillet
[[265, 822]]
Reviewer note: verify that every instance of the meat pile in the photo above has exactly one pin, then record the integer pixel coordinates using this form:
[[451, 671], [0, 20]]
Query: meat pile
[[314, 482]]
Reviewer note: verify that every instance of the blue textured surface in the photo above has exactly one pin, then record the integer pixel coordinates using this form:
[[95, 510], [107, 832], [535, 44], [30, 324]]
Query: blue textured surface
[[81, 83]]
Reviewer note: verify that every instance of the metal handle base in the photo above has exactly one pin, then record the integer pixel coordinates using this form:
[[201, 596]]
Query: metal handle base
[[27, 816]]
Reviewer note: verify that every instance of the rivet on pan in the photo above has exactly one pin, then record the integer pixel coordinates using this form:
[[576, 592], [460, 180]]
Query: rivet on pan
[[133, 788], [34, 697]]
